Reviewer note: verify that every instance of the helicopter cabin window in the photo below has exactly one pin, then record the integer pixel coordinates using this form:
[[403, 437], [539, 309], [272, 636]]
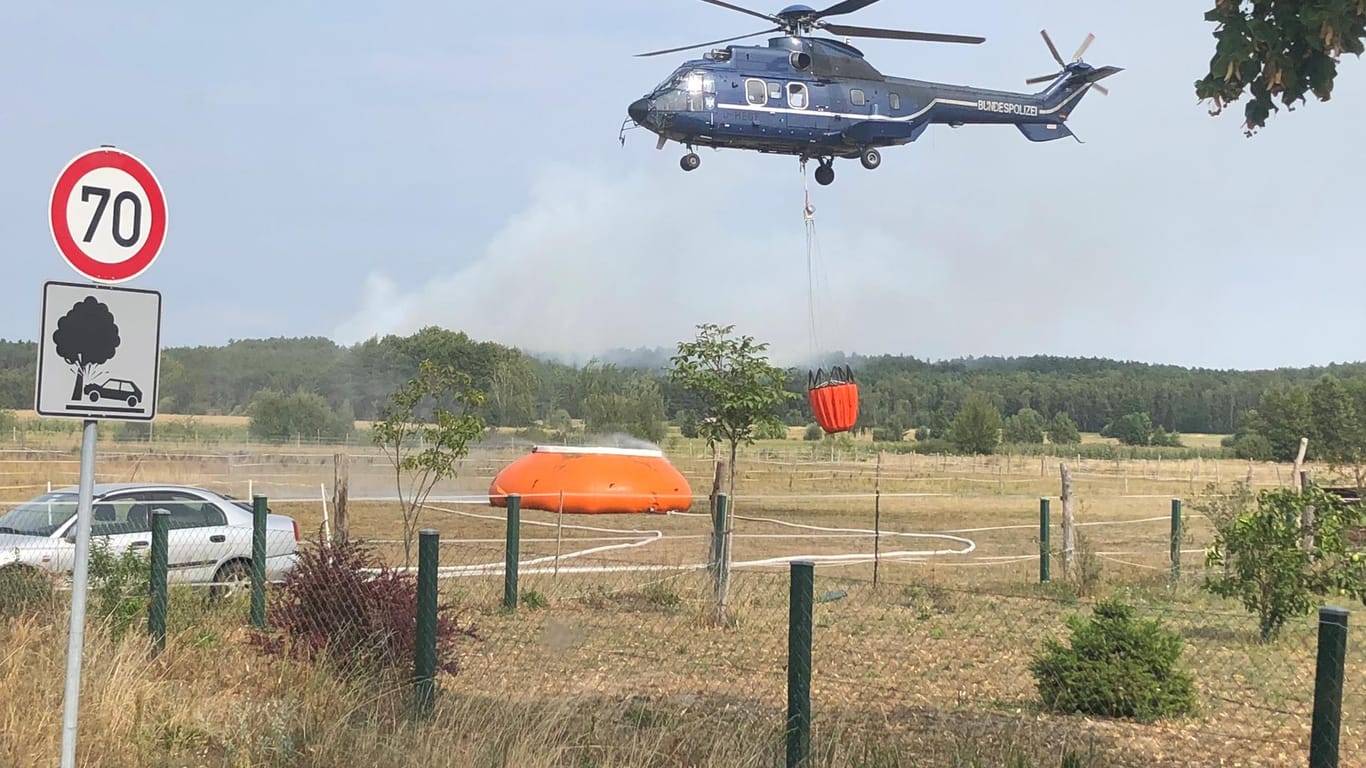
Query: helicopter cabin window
[[775, 91], [796, 95], [756, 92], [895, 99], [856, 97]]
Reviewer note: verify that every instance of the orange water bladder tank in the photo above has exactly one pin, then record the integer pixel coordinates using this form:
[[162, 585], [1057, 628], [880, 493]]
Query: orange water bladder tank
[[593, 481]]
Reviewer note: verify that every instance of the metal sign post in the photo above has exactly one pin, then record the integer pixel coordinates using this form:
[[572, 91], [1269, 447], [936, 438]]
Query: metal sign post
[[100, 347], [75, 645]]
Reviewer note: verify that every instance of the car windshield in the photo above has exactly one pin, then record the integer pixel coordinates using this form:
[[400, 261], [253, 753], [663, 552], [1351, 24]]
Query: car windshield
[[40, 517]]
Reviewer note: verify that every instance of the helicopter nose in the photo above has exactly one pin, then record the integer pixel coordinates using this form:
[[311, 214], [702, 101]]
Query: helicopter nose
[[638, 109]]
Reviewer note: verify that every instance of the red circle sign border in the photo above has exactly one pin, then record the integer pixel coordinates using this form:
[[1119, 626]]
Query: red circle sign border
[[66, 243]]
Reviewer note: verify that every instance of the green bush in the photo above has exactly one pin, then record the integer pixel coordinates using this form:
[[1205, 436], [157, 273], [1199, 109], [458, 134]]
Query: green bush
[[1116, 666], [887, 435], [23, 589], [119, 586]]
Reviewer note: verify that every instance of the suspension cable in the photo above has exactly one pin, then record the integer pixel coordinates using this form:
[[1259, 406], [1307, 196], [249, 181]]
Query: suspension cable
[[809, 216]]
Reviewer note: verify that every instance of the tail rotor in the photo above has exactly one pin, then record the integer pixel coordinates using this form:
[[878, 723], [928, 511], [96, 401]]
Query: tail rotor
[[1066, 67]]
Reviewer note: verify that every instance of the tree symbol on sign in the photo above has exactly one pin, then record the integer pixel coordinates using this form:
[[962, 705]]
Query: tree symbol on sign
[[86, 337]]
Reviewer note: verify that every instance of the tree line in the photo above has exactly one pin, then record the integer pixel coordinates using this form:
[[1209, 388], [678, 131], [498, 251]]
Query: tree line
[[1018, 400]]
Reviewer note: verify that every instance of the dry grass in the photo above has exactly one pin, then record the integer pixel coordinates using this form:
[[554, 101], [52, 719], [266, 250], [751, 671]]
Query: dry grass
[[618, 667], [909, 674], [210, 700]]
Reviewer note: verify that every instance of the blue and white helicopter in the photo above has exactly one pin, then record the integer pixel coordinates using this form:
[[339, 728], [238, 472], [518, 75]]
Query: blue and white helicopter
[[818, 98]]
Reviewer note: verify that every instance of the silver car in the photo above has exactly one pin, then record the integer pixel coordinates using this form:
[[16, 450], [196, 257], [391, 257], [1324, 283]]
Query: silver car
[[209, 541]]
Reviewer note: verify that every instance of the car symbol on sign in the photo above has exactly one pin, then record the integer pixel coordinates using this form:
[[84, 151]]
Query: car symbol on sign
[[115, 389]]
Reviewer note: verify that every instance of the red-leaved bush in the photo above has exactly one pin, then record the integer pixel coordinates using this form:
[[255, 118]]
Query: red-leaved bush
[[342, 601]]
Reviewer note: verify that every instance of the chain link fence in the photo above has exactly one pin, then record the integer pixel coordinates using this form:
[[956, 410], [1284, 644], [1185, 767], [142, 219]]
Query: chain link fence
[[618, 643]]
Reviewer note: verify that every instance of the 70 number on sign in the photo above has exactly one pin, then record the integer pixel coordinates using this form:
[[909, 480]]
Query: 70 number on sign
[[116, 223]]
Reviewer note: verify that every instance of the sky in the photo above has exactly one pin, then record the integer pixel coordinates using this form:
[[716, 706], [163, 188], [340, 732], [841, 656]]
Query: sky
[[350, 169]]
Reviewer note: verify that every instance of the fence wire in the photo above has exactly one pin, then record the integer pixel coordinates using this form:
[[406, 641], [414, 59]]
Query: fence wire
[[929, 616]]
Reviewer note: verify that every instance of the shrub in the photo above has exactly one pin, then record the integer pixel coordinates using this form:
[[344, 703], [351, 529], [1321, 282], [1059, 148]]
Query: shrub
[[813, 433], [23, 589], [1116, 666], [1252, 446], [343, 602], [119, 586], [887, 435]]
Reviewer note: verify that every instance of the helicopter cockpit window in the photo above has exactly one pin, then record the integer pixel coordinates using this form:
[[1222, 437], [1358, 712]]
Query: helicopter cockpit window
[[672, 81], [895, 99], [700, 88], [699, 82], [756, 92], [796, 95]]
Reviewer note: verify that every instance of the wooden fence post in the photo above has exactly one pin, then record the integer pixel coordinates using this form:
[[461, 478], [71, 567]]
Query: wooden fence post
[[341, 481]]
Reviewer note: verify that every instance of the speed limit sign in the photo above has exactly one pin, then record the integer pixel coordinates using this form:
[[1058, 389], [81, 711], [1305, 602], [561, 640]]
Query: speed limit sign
[[108, 215]]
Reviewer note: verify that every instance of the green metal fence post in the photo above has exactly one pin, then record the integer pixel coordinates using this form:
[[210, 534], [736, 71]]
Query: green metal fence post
[[258, 562], [1043, 540], [514, 550], [1328, 675], [799, 663], [424, 661], [156, 608], [1176, 540]]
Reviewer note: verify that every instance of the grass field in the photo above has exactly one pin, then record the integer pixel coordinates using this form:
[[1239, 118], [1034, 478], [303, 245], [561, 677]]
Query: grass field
[[610, 661]]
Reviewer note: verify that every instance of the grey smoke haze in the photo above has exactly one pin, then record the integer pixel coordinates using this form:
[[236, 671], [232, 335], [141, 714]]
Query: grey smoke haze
[[387, 175]]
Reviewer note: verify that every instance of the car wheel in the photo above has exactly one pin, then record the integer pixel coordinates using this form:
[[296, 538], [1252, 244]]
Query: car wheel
[[232, 578], [132, 402]]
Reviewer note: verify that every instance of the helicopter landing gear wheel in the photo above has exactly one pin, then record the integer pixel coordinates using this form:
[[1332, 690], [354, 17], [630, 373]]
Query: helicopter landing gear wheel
[[690, 161], [870, 158], [825, 174]]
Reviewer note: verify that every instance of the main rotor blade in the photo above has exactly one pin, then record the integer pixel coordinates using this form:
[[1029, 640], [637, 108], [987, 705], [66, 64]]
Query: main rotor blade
[[713, 42], [1042, 78], [1052, 48], [1103, 90], [848, 6], [1084, 45], [896, 34], [764, 16]]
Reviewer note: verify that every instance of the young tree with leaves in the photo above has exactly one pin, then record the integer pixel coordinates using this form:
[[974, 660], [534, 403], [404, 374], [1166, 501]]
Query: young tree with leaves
[[1025, 426], [977, 427], [1062, 430], [1276, 560], [424, 429], [732, 379]]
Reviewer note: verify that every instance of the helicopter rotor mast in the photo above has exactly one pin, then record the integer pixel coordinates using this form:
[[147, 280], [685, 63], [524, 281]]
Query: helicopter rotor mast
[[797, 20]]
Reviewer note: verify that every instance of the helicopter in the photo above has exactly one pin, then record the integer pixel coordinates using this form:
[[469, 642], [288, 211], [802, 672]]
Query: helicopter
[[819, 98]]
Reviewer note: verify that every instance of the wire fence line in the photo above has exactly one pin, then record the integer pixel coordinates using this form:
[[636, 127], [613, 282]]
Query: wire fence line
[[929, 603], [288, 474], [617, 613]]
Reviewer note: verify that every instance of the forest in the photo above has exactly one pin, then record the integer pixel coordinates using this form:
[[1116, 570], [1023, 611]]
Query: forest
[[629, 390]]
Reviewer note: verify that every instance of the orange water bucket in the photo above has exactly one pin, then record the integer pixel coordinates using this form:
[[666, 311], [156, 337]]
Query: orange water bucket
[[833, 399]]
